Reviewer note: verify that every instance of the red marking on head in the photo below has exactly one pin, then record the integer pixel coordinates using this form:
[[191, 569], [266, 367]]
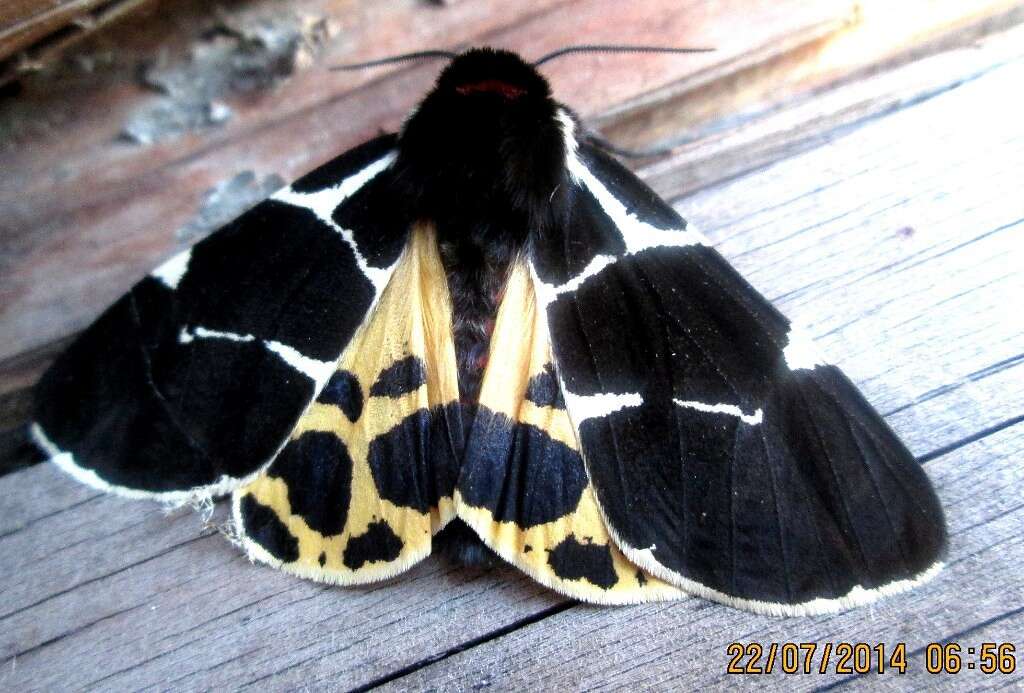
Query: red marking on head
[[492, 86]]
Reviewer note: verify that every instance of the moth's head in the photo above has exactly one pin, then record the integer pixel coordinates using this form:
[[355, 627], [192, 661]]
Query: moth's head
[[484, 78], [486, 133]]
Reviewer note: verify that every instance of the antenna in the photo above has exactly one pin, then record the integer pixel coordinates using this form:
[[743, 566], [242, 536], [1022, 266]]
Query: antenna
[[404, 57], [590, 48]]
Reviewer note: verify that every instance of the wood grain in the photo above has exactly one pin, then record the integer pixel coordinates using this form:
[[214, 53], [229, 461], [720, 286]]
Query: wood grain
[[894, 238], [28, 23], [876, 34], [749, 142]]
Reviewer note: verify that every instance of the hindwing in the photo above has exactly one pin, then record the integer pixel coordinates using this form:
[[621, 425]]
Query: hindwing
[[367, 476], [523, 486]]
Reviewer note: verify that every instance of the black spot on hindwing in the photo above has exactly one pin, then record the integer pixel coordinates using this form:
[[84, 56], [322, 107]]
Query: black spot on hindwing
[[317, 469], [262, 525], [572, 560], [379, 543], [543, 389], [343, 391], [519, 473], [400, 378], [415, 464]]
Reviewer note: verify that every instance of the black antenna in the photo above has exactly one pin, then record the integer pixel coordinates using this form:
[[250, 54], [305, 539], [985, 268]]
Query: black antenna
[[587, 48], [405, 57]]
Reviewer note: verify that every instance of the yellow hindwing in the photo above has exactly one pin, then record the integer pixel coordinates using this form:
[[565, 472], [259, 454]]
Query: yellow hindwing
[[387, 408], [572, 553]]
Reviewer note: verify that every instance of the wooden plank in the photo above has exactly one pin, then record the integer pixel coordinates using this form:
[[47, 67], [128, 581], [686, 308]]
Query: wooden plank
[[142, 599], [683, 646], [384, 29], [24, 21], [104, 99], [878, 34], [32, 33], [750, 141], [170, 592]]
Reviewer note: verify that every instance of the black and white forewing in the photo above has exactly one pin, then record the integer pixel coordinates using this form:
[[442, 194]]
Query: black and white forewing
[[727, 458], [192, 381]]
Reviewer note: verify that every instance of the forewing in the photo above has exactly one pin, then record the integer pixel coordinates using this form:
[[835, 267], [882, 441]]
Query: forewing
[[194, 379], [726, 456]]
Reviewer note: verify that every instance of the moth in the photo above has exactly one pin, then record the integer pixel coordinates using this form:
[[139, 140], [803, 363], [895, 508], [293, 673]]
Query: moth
[[486, 322]]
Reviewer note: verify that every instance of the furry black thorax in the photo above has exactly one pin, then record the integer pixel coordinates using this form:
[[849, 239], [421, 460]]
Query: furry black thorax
[[485, 143]]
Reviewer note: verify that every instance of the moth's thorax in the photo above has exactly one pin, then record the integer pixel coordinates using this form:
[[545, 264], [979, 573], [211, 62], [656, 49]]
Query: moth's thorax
[[485, 140]]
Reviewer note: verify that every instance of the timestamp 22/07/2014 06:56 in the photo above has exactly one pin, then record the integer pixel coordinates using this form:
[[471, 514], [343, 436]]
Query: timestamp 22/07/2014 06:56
[[863, 658]]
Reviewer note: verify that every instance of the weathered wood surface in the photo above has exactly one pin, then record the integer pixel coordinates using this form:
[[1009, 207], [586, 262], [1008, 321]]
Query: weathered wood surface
[[35, 31], [894, 235]]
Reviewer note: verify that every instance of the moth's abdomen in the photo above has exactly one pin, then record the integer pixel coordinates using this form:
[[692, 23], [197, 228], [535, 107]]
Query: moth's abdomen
[[476, 261]]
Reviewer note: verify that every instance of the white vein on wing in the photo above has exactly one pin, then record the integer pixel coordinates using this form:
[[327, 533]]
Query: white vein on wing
[[324, 202], [318, 371], [602, 404], [636, 234], [730, 409], [203, 333], [598, 263]]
